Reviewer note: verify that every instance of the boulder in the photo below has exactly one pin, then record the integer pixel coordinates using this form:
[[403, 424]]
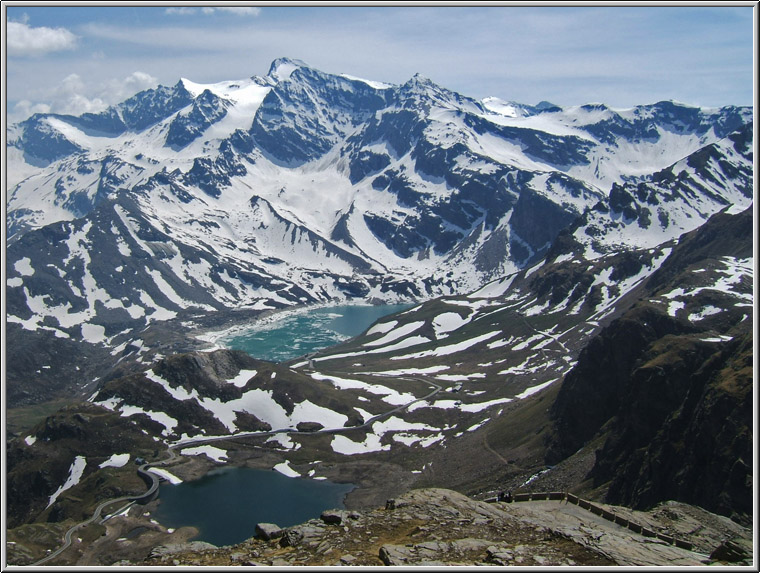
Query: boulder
[[268, 531], [395, 555], [333, 516], [309, 426], [308, 532], [291, 537]]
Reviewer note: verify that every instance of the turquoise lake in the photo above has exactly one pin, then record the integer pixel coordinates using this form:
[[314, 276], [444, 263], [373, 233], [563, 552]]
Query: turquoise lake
[[292, 334], [226, 504]]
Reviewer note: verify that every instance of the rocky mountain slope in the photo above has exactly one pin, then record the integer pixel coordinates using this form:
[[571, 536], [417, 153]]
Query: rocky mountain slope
[[303, 186], [583, 281], [520, 385], [669, 383], [435, 527]]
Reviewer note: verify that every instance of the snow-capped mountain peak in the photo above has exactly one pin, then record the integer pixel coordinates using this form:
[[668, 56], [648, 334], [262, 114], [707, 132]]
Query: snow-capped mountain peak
[[282, 68], [307, 186]]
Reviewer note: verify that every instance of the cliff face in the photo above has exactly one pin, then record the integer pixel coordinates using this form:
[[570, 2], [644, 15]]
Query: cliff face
[[700, 451], [598, 388], [668, 385]]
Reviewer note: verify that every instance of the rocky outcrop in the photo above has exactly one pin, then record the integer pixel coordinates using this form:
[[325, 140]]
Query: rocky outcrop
[[438, 527], [596, 389], [701, 451]]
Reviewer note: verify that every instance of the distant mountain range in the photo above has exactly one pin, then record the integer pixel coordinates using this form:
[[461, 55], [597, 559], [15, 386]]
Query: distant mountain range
[[302, 186]]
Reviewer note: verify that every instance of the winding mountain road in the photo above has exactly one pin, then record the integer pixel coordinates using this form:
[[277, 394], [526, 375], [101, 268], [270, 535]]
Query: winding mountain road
[[143, 471]]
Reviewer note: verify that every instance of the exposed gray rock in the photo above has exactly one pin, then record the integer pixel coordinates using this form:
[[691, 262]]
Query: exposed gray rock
[[395, 555], [180, 548], [268, 531], [309, 426], [291, 537], [544, 533], [334, 516], [731, 552], [306, 533], [499, 555]]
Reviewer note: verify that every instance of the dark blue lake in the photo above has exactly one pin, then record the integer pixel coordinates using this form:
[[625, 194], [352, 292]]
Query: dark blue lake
[[226, 504], [288, 335]]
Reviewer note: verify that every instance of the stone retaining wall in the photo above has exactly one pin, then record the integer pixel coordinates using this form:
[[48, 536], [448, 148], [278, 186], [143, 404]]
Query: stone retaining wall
[[597, 510]]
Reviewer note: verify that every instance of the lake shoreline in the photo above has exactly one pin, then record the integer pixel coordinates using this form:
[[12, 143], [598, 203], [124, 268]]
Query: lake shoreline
[[373, 477], [213, 338]]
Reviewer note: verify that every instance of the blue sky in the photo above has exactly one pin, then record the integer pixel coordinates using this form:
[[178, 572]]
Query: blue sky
[[70, 59]]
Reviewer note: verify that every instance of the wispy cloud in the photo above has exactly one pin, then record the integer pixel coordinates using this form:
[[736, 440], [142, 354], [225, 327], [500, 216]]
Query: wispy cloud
[[240, 10], [25, 40], [25, 108], [237, 10], [184, 11]]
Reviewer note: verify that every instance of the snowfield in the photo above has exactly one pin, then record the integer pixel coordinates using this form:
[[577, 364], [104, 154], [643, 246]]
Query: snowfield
[[75, 474], [116, 461]]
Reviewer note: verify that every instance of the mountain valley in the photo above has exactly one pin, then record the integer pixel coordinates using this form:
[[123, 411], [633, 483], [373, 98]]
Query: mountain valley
[[582, 283]]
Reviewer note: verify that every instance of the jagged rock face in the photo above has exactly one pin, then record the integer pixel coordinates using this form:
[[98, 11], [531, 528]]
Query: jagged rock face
[[596, 388], [206, 110], [643, 211], [668, 388], [43, 144], [306, 114], [694, 445]]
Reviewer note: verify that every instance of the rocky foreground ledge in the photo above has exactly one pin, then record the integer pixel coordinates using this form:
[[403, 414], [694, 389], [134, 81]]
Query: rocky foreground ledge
[[441, 527]]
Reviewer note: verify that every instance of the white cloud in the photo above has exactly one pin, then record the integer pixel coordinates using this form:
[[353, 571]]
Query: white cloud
[[181, 11], [240, 10], [69, 98], [24, 40], [120, 89], [237, 10], [25, 108], [74, 96]]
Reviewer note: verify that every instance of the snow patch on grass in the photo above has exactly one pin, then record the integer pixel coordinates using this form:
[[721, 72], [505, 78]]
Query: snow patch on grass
[[75, 474], [213, 453], [115, 461], [285, 469], [533, 389]]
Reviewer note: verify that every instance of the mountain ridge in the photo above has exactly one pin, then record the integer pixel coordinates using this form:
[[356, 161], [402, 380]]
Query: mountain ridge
[[400, 192]]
